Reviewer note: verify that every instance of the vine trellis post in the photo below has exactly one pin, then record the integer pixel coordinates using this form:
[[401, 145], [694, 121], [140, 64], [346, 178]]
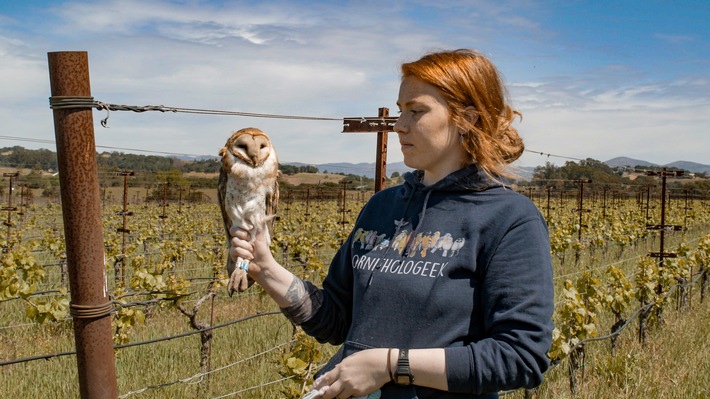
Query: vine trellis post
[[549, 190], [90, 307], [343, 210], [581, 210], [123, 230], [382, 124], [662, 228], [9, 208]]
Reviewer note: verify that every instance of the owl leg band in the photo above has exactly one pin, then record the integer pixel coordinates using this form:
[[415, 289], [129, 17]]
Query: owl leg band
[[239, 280], [244, 265]]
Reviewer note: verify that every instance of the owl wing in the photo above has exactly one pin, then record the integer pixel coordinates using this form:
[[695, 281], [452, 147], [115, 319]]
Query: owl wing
[[221, 197], [272, 205]]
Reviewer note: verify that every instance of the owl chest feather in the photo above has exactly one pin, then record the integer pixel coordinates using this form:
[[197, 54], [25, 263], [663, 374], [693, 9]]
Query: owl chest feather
[[246, 192]]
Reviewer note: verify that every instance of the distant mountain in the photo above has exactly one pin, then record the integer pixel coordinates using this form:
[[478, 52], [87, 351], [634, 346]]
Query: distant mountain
[[690, 166], [630, 162], [368, 169], [357, 169], [19, 157], [525, 172], [685, 165]]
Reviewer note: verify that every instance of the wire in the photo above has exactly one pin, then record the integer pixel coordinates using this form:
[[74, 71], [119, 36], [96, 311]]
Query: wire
[[554, 156], [13, 138], [200, 375], [618, 330], [152, 341], [255, 387], [73, 102]]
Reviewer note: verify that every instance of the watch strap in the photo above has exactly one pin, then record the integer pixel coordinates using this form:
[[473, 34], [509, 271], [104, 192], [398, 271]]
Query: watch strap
[[403, 375]]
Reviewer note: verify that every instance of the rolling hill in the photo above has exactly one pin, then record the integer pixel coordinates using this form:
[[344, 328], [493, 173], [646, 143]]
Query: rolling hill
[[693, 167]]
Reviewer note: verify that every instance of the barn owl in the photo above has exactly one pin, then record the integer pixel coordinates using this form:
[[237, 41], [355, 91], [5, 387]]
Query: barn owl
[[248, 192]]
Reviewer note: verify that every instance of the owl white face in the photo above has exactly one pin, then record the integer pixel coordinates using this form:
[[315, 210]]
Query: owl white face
[[252, 147]]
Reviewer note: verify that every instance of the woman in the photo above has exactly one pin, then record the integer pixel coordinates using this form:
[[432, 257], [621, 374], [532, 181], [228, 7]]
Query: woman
[[454, 297]]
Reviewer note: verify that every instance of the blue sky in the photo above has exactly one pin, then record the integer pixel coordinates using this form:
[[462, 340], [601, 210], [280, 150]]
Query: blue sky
[[593, 79]]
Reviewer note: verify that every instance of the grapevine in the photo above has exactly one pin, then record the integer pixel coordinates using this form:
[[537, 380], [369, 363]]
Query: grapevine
[[300, 363], [166, 260]]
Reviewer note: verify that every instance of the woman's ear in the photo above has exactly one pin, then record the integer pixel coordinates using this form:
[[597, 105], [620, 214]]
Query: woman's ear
[[471, 114]]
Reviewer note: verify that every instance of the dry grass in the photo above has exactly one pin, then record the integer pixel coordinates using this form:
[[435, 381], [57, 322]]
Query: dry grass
[[311, 178], [675, 364]]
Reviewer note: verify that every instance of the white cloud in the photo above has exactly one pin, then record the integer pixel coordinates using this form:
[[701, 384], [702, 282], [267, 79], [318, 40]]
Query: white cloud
[[335, 61], [646, 121]]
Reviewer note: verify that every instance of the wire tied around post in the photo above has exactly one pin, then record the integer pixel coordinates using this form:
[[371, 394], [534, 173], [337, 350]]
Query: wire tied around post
[[70, 102], [91, 311], [74, 102]]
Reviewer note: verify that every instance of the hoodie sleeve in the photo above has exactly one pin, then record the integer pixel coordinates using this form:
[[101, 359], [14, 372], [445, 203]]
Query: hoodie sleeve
[[332, 321], [517, 305]]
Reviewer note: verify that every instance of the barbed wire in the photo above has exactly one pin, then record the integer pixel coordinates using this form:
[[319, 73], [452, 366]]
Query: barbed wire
[[553, 155], [79, 102], [88, 102]]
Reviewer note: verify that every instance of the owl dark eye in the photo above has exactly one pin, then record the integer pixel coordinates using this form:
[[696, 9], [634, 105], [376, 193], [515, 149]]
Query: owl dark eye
[[242, 146]]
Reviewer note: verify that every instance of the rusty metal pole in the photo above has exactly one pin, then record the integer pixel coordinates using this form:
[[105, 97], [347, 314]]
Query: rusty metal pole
[[124, 230], [81, 212], [381, 165], [9, 208], [381, 124]]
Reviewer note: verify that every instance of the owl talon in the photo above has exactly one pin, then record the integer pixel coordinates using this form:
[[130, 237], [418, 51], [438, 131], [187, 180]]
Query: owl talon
[[239, 280]]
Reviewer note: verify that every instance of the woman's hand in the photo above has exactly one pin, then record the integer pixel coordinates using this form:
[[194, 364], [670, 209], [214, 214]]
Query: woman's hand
[[357, 375], [263, 268], [255, 249]]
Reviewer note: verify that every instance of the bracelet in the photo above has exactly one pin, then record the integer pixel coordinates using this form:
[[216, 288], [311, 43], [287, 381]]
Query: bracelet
[[389, 364]]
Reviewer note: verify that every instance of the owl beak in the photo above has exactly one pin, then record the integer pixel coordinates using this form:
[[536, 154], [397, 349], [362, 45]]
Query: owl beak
[[255, 160]]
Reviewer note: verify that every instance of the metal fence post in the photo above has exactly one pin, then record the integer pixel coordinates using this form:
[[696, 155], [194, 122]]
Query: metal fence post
[[81, 211]]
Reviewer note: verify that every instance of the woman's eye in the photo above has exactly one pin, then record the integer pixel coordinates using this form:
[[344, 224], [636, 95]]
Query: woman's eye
[[411, 111]]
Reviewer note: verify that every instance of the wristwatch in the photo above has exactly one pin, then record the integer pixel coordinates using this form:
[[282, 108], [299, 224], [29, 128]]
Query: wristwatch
[[403, 375]]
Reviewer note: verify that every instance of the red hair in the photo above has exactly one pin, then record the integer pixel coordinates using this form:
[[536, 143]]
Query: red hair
[[468, 80]]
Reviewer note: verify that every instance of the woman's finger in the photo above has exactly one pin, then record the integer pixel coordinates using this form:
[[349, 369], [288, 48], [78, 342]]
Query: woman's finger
[[240, 248], [236, 231]]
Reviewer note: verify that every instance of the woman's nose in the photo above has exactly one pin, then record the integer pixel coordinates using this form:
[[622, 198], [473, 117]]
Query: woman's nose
[[399, 126]]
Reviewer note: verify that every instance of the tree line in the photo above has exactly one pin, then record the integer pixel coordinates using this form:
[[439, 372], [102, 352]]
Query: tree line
[[153, 170], [163, 176], [46, 160], [564, 177]]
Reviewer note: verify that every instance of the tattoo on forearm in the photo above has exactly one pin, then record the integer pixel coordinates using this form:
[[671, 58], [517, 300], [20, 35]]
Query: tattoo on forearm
[[304, 299], [296, 291]]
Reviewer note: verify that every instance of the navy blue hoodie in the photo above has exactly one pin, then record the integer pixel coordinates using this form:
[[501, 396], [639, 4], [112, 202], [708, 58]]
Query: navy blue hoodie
[[463, 264]]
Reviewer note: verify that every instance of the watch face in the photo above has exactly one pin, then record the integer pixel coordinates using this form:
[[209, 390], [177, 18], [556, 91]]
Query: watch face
[[403, 379]]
